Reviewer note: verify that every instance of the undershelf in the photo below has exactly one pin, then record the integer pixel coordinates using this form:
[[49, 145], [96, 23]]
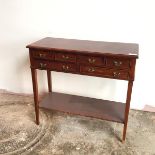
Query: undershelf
[[85, 106]]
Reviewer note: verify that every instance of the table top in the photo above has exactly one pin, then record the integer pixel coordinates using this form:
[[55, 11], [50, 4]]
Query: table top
[[86, 46]]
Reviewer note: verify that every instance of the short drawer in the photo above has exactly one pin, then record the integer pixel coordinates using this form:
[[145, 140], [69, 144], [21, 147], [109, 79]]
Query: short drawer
[[65, 57], [117, 63], [118, 74], [64, 67], [41, 64], [95, 61], [105, 72], [42, 54]]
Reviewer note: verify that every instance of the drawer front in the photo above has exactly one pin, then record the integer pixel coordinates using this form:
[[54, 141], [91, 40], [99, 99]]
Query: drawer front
[[95, 61], [105, 72], [41, 64], [64, 67], [41, 54], [65, 57], [117, 63]]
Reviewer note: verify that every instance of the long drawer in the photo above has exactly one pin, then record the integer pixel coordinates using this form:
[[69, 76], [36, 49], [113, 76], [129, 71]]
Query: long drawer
[[105, 72], [118, 63], [55, 66]]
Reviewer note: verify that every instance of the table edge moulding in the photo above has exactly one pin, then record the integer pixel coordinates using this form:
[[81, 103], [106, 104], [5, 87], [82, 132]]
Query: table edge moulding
[[112, 60]]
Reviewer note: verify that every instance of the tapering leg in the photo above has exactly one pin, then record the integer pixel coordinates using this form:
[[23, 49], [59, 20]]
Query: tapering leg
[[127, 108], [49, 80], [35, 92]]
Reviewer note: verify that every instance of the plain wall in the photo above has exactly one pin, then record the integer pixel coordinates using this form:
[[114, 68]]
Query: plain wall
[[25, 21]]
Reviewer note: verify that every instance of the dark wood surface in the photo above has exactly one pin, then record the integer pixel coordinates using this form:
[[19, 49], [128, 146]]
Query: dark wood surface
[[35, 93], [126, 114], [86, 46], [49, 81], [93, 58], [101, 66], [85, 106]]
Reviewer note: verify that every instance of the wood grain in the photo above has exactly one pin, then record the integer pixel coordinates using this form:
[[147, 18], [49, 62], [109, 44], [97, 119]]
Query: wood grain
[[86, 46], [94, 58], [85, 106]]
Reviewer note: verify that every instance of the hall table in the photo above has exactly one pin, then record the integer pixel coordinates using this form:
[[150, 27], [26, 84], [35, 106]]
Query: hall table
[[92, 58]]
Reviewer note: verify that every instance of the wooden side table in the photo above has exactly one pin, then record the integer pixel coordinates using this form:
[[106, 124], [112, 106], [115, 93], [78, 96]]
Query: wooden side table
[[93, 58]]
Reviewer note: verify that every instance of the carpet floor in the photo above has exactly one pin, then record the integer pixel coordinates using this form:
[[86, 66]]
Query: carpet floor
[[63, 134]]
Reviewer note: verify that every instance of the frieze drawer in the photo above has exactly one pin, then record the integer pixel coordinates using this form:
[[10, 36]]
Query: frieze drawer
[[95, 61], [63, 67], [104, 72], [43, 54], [65, 57], [117, 63]]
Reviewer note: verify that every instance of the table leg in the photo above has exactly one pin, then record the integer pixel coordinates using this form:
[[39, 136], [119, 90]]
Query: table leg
[[49, 80], [35, 92], [127, 107]]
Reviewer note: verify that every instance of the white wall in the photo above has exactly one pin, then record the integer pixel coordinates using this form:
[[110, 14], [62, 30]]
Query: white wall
[[25, 21]]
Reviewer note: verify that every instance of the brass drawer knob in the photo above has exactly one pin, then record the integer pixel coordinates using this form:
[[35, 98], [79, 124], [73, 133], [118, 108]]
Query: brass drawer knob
[[91, 60], [91, 70], [42, 65], [65, 67], [117, 63], [42, 55], [116, 74], [65, 57]]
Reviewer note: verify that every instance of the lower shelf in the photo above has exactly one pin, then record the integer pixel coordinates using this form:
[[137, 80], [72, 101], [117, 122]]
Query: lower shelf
[[85, 106]]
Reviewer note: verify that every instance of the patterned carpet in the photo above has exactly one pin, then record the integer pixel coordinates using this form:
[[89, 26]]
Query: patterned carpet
[[63, 134]]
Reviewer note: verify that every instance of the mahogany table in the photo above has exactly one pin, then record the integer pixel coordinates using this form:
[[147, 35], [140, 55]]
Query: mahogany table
[[92, 58]]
